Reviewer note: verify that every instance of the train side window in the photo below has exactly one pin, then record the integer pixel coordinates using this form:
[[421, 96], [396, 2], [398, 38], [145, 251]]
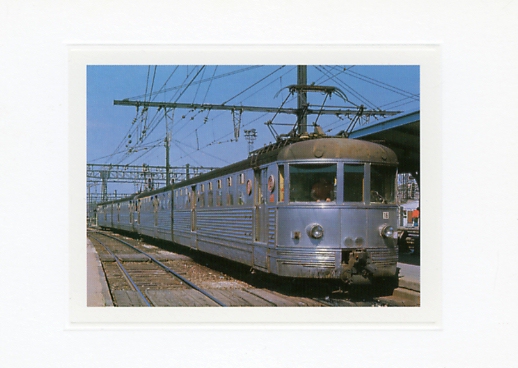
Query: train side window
[[312, 182], [383, 180], [201, 197], [219, 194], [353, 183], [281, 183], [241, 190], [210, 196], [230, 192], [188, 199]]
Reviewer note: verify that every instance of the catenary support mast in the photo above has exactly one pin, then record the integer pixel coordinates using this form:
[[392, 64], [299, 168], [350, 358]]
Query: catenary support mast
[[302, 100]]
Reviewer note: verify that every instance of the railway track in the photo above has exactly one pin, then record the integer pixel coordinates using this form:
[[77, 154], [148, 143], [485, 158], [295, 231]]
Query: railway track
[[136, 276], [145, 275]]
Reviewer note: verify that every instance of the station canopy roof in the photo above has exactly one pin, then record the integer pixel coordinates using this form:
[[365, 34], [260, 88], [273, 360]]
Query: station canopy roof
[[401, 134]]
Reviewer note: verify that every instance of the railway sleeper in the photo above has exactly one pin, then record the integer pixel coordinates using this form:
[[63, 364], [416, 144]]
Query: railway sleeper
[[124, 258]]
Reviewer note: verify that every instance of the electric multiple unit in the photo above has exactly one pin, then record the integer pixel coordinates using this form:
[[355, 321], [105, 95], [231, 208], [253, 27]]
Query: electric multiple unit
[[313, 207]]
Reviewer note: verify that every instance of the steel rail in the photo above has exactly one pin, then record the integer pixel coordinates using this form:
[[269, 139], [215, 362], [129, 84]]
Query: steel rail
[[123, 269], [211, 297]]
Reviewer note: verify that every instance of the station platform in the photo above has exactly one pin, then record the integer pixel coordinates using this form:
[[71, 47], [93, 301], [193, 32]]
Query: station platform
[[97, 294], [409, 276], [408, 292]]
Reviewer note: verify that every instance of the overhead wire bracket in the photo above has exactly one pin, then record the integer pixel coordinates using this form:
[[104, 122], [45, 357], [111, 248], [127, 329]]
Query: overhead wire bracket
[[236, 118]]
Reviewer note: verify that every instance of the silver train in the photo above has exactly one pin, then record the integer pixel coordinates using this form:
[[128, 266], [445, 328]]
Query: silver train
[[320, 208]]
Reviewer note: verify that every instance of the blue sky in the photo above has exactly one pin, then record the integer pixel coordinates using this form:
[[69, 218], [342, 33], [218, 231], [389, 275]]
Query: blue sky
[[206, 138]]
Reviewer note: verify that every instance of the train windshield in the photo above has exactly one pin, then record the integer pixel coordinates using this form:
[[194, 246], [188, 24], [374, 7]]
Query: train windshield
[[312, 182], [353, 183], [383, 181]]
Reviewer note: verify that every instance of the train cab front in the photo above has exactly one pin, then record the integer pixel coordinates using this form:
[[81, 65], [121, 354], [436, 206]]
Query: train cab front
[[340, 222]]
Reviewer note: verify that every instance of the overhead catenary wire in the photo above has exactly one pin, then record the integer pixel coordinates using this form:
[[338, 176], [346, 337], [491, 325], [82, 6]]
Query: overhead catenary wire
[[204, 122], [198, 88], [146, 152], [408, 95], [131, 132], [140, 118], [210, 84], [253, 85], [192, 83], [161, 117], [188, 154], [382, 84], [203, 81], [134, 128], [401, 104], [135, 148], [196, 77], [348, 88], [220, 140], [154, 121], [184, 90]]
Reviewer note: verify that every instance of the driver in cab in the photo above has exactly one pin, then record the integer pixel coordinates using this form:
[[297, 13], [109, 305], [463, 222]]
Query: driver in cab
[[322, 190]]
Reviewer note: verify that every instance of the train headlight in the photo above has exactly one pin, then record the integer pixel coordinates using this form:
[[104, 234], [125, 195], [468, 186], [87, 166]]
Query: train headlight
[[315, 231], [387, 231]]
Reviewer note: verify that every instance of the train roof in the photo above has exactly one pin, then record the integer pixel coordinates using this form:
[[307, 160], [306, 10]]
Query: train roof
[[300, 148], [306, 148], [149, 193], [136, 196], [338, 148], [120, 200]]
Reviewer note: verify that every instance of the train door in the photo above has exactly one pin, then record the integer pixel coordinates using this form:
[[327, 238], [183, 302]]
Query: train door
[[136, 223], [174, 203], [260, 220], [261, 227], [193, 198], [111, 215]]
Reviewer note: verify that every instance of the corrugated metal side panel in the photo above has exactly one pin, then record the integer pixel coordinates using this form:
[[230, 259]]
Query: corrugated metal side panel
[[164, 221], [182, 224], [227, 233], [302, 257], [124, 214], [124, 222], [225, 224], [146, 223], [100, 219]]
